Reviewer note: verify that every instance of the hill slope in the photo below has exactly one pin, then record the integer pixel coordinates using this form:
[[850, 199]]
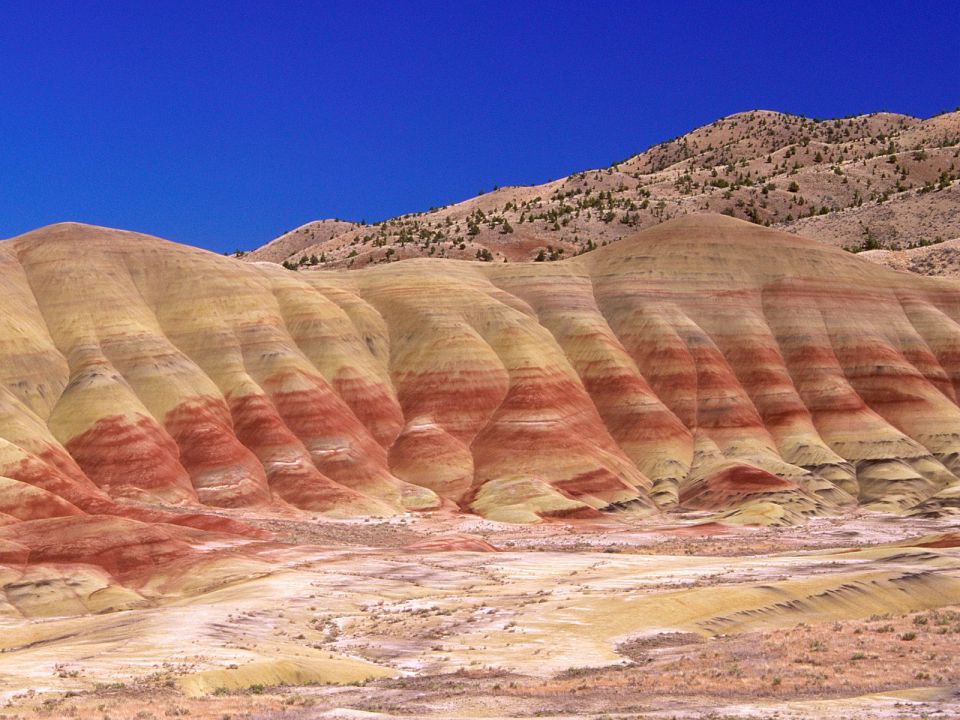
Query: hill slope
[[877, 180], [299, 239], [707, 361], [940, 259]]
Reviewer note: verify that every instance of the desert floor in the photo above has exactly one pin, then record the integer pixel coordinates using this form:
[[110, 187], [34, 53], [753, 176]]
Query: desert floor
[[855, 616]]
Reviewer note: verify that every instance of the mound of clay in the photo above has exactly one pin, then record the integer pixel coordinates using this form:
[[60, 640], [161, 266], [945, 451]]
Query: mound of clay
[[706, 363]]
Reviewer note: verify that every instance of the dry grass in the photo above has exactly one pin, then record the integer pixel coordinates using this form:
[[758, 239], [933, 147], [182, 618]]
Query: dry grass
[[879, 180]]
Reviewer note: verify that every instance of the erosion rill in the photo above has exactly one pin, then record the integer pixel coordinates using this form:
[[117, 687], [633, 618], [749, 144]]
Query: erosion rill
[[166, 414]]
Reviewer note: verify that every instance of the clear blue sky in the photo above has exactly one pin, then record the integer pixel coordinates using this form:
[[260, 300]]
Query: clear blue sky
[[225, 124]]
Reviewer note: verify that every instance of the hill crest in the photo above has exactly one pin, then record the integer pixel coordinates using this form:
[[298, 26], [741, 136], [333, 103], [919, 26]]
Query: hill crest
[[771, 168]]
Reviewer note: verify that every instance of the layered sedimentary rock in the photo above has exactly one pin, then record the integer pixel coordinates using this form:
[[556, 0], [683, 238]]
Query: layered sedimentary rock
[[705, 363]]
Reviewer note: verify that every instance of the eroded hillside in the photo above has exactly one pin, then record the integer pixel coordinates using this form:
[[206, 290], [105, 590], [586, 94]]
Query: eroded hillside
[[706, 362]]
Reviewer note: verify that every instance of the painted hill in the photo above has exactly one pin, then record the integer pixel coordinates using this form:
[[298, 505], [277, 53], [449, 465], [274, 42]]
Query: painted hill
[[707, 362], [868, 182]]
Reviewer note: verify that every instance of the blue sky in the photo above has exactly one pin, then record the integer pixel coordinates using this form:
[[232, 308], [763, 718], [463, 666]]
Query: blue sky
[[224, 124]]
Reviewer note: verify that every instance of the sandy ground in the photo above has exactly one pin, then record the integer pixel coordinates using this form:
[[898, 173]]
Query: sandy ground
[[668, 617]]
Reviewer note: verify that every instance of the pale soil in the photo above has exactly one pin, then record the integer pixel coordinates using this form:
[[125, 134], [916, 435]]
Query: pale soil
[[278, 250], [942, 259], [656, 617], [906, 219]]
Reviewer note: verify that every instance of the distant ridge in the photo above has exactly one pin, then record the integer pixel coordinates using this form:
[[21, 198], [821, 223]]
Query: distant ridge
[[879, 181]]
